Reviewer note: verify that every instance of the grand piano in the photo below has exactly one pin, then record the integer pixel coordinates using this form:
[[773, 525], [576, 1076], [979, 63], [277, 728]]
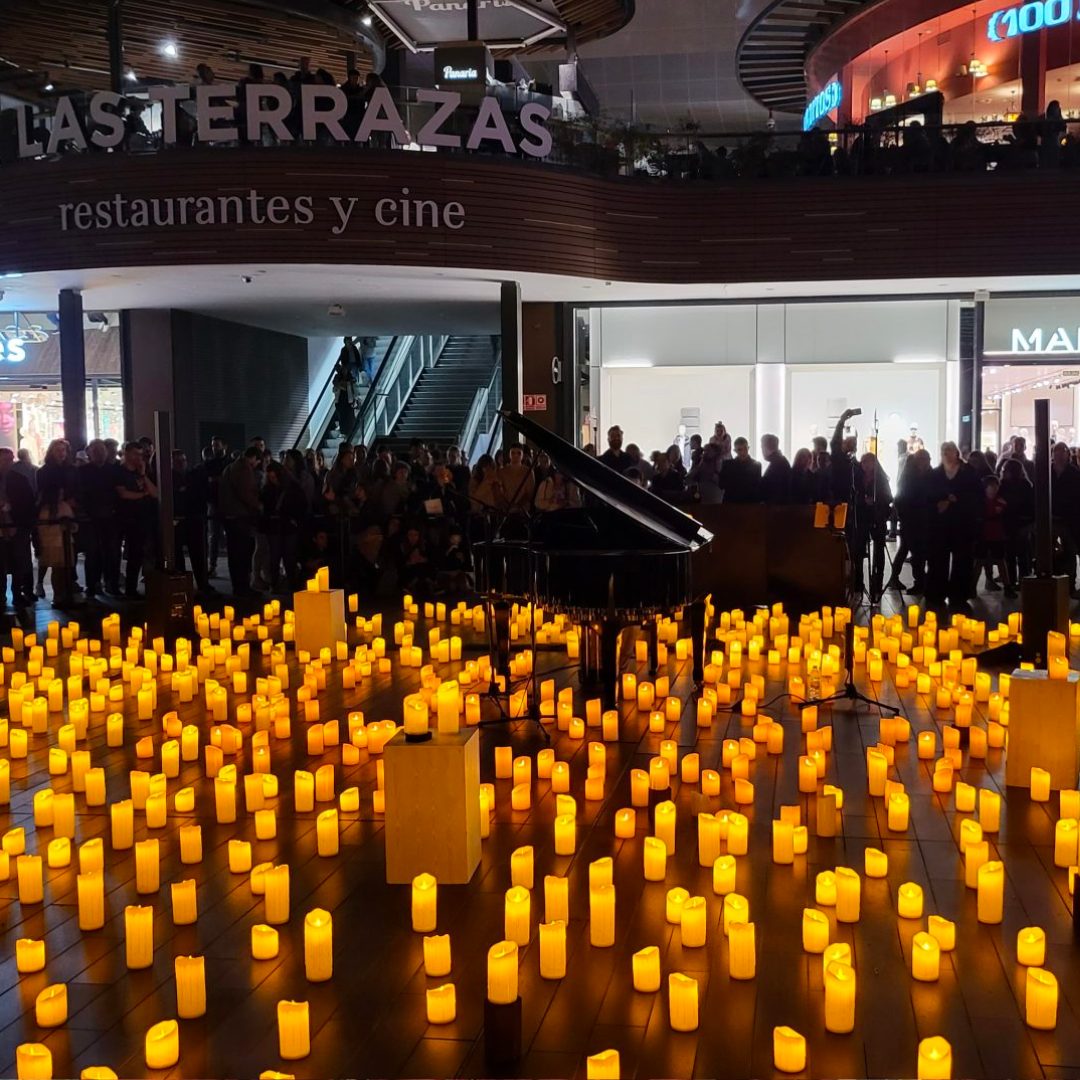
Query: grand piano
[[622, 558]]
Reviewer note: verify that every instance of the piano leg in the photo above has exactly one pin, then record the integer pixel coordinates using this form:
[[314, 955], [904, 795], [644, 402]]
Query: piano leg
[[609, 661], [652, 630], [697, 636]]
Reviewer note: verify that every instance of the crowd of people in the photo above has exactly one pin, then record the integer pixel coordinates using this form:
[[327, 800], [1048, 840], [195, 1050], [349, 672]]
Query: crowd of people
[[959, 521], [385, 523]]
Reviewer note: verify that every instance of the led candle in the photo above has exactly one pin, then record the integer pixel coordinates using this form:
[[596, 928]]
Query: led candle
[[738, 837], [190, 987], [441, 1004], [925, 957], [294, 1030], [943, 931], [424, 903], [783, 841], [848, 895], [31, 883], [1040, 785], [991, 891], [138, 937], [264, 942], [876, 863], [665, 824], [724, 875], [33, 1061], [876, 771], [147, 866], [674, 904], [736, 910], [692, 922], [29, 956], [553, 949], [975, 857], [276, 894], [839, 998], [51, 1006], [502, 973], [682, 1002], [602, 916], [909, 901], [646, 969], [625, 823], [898, 812], [815, 930], [318, 945], [1031, 946], [603, 1066], [742, 952], [1040, 999], [789, 1050], [1065, 842], [90, 888]]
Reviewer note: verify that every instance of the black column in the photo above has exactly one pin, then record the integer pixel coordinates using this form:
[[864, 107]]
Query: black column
[[473, 20], [73, 367], [510, 322], [115, 32], [1044, 529]]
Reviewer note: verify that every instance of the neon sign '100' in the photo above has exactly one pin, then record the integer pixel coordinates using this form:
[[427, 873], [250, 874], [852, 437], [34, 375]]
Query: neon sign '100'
[[1027, 18]]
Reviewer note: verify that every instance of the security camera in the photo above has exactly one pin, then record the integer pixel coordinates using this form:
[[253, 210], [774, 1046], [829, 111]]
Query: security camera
[[247, 279], [336, 310]]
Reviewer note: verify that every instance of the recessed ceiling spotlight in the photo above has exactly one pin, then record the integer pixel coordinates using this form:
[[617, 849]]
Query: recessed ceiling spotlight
[[366, 19], [170, 50], [49, 87], [131, 76]]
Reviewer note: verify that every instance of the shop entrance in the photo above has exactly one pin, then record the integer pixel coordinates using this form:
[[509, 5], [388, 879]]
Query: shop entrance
[[32, 415], [1008, 402]]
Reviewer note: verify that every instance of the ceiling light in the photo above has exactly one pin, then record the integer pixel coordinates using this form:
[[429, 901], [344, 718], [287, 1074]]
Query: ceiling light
[[365, 19], [49, 87], [131, 76], [170, 50]]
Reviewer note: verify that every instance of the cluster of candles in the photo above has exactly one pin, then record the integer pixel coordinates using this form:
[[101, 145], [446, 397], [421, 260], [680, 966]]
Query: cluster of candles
[[105, 675]]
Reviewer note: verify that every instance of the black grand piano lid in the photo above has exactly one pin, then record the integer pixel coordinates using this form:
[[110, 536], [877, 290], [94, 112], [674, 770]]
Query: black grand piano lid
[[612, 487]]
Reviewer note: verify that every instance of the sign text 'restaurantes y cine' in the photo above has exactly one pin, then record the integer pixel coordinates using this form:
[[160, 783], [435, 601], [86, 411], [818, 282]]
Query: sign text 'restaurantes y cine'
[[226, 113]]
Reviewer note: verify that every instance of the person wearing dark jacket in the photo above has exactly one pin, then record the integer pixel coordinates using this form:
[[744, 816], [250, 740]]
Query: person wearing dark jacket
[[1065, 507], [955, 501], [740, 476], [872, 523], [1018, 494], [191, 490], [912, 509], [284, 511], [238, 502], [136, 510], [16, 521], [776, 480], [98, 533], [804, 481]]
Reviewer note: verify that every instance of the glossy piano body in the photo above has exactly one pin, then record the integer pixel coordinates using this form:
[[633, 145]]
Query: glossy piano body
[[619, 560]]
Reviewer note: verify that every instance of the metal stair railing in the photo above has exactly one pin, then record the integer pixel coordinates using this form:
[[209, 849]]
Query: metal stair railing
[[482, 412]]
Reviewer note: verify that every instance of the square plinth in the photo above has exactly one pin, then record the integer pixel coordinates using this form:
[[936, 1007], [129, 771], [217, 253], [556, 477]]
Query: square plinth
[[320, 620], [433, 807], [1043, 729]]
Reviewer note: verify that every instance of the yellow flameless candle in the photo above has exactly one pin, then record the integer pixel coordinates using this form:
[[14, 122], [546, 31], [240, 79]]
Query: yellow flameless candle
[[909, 901], [138, 936], [517, 914], [815, 930], [276, 894], [682, 1002], [1040, 785], [602, 916], [264, 942], [185, 907], [1040, 999], [33, 1061], [925, 957], [825, 889], [943, 931], [935, 1059], [736, 910], [876, 863], [424, 903], [31, 882], [318, 945], [556, 898], [898, 812], [1065, 842], [565, 835], [789, 1050], [441, 1004], [783, 841], [603, 1066], [29, 956], [51, 1006], [646, 969], [294, 1030], [1031, 946], [839, 998], [437, 955], [553, 949], [991, 891], [190, 987], [848, 895], [724, 873], [502, 973]]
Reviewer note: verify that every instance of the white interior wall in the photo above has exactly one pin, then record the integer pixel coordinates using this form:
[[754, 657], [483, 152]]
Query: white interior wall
[[647, 404]]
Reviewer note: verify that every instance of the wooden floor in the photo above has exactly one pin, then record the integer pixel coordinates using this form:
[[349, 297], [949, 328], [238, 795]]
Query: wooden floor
[[370, 1019]]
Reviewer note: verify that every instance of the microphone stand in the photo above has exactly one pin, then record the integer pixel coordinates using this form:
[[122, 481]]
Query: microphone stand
[[849, 691]]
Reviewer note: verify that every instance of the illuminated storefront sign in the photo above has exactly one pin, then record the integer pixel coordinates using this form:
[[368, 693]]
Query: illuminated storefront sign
[[1040, 340], [829, 99], [1027, 18], [12, 350]]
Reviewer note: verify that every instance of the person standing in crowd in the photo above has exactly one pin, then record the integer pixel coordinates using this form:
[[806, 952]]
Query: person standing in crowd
[[955, 504], [1016, 450], [1065, 506], [871, 524], [721, 439], [741, 476], [637, 461], [283, 513], [136, 506], [98, 531], [215, 465], [667, 482], [190, 498], [238, 501], [57, 501], [459, 470], [557, 493], [517, 482], [369, 363], [1018, 494], [614, 457], [803, 478], [25, 467], [704, 477], [991, 551], [16, 523], [912, 509], [776, 480]]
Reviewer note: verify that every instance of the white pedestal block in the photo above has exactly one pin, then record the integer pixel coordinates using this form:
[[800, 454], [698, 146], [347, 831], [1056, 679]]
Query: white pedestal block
[[433, 807], [320, 620], [1043, 729]]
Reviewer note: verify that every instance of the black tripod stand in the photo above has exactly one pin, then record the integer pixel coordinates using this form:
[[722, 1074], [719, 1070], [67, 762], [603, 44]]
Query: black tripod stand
[[849, 691]]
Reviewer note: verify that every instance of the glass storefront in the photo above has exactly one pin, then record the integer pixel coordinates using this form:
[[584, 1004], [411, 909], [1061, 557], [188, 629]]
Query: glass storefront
[[31, 402]]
